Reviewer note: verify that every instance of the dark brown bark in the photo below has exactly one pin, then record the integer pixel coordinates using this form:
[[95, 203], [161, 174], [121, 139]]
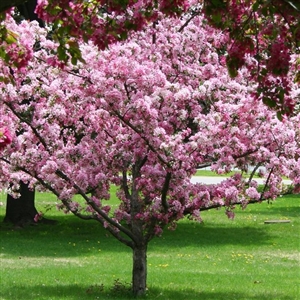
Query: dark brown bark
[[139, 248], [21, 211], [139, 270]]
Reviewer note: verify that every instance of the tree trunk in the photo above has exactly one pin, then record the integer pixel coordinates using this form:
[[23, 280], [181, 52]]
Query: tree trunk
[[139, 270], [21, 211]]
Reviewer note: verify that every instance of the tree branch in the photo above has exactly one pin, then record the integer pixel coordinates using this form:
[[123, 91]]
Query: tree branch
[[103, 215], [125, 185], [253, 173], [194, 13], [141, 135], [165, 191], [95, 207], [189, 210], [18, 115]]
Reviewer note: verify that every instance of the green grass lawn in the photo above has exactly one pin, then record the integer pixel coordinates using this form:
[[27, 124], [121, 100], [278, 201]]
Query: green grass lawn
[[217, 259], [209, 173]]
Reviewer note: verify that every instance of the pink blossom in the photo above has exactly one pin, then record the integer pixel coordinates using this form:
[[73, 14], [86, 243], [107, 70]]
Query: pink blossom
[[158, 231], [230, 214], [252, 193], [38, 217], [5, 137], [231, 193]]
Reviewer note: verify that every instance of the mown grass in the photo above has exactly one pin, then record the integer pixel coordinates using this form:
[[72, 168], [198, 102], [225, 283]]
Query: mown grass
[[208, 173], [217, 259]]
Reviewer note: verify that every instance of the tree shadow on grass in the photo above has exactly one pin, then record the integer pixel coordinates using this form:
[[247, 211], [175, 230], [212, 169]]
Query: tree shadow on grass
[[205, 236], [287, 206], [47, 240], [286, 212], [120, 292], [69, 237]]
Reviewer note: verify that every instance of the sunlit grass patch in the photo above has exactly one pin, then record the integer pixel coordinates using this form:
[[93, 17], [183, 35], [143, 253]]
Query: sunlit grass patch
[[217, 259]]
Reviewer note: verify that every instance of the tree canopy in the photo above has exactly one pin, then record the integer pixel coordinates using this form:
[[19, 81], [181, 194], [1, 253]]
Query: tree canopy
[[268, 31], [143, 115]]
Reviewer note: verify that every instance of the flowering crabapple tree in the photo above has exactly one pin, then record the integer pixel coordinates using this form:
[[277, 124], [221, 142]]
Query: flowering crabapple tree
[[143, 115]]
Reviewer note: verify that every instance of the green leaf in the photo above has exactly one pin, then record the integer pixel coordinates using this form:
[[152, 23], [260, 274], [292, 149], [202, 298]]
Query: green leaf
[[297, 77], [11, 37], [74, 60], [4, 79], [232, 66], [265, 11], [269, 102], [217, 18], [279, 115], [281, 95], [61, 53], [123, 35], [218, 3], [255, 6], [4, 55]]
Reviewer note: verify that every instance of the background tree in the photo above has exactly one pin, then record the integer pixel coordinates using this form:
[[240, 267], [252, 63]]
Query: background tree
[[144, 115], [21, 210]]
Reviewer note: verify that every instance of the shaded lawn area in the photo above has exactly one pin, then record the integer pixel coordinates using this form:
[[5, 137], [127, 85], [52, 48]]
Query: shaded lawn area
[[217, 259]]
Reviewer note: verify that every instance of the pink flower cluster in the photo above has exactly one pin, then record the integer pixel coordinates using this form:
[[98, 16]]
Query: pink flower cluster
[[5, 137]]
